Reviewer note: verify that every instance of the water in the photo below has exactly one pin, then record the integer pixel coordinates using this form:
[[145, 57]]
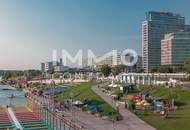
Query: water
[[7, 91]]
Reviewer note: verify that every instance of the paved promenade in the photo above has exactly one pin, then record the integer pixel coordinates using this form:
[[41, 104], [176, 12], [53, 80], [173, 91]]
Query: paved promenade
[[90, 122], [130, 121]]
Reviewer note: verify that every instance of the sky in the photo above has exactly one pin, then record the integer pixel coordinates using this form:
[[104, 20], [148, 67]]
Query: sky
[[30, 30]]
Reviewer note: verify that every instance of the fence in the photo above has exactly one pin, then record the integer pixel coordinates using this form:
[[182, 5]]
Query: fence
[[55, 121]]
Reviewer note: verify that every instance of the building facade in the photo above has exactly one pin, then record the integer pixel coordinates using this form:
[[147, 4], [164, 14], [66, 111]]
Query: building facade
[[175, 49], [53, 66], [156, 25], [108, 60], [43, 67], [48, 66]]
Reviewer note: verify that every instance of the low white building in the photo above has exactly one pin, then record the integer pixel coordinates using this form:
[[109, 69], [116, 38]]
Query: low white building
[[151, 78]]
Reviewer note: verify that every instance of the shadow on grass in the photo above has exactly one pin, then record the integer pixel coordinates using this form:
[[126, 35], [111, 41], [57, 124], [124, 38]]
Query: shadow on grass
[[177, 117], [180, 103], [96, 102]]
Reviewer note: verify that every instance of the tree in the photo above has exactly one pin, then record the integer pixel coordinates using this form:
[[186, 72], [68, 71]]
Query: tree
[[106, 70], [33, 72], [7, 75], [154, 70], [12, 74], [116, 70], [141, 70], [187, 65], [162, 69]]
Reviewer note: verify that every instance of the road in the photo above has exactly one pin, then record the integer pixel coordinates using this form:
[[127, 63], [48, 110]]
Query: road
[[130, 121]]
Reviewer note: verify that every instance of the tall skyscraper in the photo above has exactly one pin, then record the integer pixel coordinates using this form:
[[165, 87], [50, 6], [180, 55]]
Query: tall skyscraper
[[155, 26]]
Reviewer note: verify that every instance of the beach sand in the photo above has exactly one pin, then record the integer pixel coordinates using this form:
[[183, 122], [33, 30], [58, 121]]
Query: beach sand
[[20, 109], [16, 110], [2, 110]]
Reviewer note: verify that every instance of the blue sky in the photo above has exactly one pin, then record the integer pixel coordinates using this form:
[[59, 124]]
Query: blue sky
[[30, 30]]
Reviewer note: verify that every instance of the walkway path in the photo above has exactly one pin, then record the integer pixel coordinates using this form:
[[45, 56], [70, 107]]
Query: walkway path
[[90, 122], [130, 121]]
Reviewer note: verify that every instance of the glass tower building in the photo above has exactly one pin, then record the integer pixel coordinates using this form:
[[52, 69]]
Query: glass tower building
[[175, 49], [155, 26]]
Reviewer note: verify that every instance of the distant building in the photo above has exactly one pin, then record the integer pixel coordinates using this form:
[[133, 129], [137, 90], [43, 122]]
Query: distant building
[[53, 66], [55, 63], [48, 66], [138, 65], [175, 48], [43, 67], [156, 25], [135, 68], [108, 60], [187, 28], [60, 69], [85, 63], [60, 62]]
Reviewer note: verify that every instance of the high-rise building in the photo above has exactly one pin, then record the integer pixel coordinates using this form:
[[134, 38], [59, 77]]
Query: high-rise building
[[156, 25], [175, 49], [43, 67], [187, 28]]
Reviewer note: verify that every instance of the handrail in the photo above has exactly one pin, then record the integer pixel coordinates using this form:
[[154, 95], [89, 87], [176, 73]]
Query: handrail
[[66, 121], [14, 119]]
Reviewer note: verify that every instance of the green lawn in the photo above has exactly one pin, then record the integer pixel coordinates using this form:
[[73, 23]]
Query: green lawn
[[179, 119], [84, 91]]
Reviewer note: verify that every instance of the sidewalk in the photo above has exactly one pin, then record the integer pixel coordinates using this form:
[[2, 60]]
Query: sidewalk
[[91, 122], [130, 121], [88, 121]]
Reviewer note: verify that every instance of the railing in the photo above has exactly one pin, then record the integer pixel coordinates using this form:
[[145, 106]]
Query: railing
[[54, 120]]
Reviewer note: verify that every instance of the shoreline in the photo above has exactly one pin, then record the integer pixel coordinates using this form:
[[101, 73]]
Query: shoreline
[[19, 109], [7, 87]]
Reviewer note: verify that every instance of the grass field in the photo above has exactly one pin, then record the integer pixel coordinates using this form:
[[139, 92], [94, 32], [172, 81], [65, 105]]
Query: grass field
[[179, 119], [84, 91]]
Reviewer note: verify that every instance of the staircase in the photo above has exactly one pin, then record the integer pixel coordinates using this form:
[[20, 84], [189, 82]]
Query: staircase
[[31, 121], [6, 123]]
